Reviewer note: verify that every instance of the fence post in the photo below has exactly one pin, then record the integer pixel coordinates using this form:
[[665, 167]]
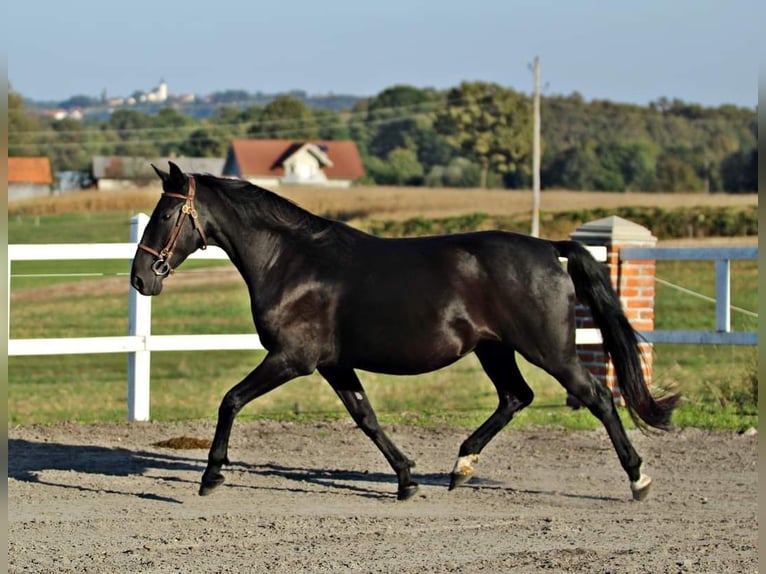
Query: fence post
[[634, 283], [139, 324], [723, 295]]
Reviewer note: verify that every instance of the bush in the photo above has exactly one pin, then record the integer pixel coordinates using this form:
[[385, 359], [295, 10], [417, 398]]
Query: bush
[[666, 224]]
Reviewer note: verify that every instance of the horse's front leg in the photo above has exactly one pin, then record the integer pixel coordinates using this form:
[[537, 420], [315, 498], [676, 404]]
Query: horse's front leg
[[348, 387], [273, 371]]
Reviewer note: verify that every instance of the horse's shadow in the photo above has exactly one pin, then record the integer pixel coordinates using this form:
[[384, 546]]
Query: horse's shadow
[[27, 461]]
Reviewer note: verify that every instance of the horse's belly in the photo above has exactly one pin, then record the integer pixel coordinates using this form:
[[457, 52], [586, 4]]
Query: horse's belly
[[409, 347], [400, 364]]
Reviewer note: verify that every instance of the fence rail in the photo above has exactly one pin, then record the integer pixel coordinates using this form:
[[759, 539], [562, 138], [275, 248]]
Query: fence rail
[[723, 256]]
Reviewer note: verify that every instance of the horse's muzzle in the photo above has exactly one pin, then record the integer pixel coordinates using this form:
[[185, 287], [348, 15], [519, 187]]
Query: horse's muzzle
[[153, 286]]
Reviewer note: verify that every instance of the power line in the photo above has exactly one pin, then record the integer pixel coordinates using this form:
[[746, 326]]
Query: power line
[[274, 122], [212, 127]]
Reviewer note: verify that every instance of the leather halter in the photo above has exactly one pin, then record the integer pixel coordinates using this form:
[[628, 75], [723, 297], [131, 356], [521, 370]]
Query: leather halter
[[162, 266]]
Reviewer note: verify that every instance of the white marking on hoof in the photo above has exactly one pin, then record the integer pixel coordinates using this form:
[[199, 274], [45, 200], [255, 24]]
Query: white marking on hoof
[[359, 396], [641, 487], [464, 465]]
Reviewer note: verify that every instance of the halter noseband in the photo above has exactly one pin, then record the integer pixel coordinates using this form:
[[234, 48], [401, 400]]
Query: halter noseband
[[161, 267]]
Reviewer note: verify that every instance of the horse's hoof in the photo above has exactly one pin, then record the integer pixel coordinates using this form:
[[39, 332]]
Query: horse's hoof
[[407, 491], [209, 484], [457, 479], [463, 470], [641, 487]]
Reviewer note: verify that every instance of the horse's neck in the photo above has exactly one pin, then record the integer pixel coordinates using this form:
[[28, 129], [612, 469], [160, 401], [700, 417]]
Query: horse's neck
[[258, 240]]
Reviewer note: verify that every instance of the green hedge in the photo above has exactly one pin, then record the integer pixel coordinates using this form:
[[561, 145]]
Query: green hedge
[[681, 222]]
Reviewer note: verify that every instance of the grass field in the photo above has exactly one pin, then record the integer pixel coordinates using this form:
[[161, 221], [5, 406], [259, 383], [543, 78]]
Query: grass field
[[717, 381]]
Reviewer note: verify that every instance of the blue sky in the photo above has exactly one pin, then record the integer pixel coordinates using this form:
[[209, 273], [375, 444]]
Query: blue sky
[[702, 51]]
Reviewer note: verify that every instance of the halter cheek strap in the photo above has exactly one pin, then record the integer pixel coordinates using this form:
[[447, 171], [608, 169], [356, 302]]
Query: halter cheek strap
[[162, 266]]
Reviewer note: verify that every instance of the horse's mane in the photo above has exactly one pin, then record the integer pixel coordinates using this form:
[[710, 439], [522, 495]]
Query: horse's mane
[[268, 207]]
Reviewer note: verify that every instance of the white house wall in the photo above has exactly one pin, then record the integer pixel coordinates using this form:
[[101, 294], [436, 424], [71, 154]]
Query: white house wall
[[301, 168], [21, 191]]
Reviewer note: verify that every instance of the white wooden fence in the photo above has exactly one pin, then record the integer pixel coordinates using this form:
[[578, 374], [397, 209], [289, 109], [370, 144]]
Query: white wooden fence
[[139, 343], [723, 256]]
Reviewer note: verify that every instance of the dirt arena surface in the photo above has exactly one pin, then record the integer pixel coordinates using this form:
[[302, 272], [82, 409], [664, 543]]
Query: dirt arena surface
[[320, 498]]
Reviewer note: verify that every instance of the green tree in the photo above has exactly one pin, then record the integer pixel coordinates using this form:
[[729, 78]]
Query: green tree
[[126, 121], [285, 118], [460, 172], [170, 129], [489, 124], [739, 171], [358, 129], [22, 125], [576, 168], [400, 167], [433, 148], [395, 116], [675, 174], [134, 133], [404, 163], [638, 164], [68, 147], [172, 118], [204, 142], [330, 125]]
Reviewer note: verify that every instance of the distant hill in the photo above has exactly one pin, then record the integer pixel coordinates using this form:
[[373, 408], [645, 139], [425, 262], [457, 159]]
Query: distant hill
[[203, 106]]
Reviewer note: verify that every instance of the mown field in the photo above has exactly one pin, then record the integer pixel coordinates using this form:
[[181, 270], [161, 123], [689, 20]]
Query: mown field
[[361, 205], [719, 383]]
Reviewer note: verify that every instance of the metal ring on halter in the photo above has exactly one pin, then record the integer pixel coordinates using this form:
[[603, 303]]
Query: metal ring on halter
[[161, 268]]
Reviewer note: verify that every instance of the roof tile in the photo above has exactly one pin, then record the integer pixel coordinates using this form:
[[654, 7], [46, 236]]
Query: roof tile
[[257, 157], [29, 170]]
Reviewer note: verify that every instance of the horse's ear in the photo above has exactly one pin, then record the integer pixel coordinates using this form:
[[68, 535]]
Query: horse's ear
[[176, 176], [175, 171], [164, 176]]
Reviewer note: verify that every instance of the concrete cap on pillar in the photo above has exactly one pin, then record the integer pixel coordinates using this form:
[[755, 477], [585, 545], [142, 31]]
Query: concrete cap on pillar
[[613, 230]]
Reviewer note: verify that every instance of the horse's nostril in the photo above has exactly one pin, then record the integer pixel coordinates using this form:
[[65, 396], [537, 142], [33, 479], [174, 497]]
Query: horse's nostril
[[138, 285]]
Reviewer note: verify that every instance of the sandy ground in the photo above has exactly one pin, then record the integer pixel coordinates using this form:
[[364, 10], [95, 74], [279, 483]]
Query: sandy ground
[[320, 498]]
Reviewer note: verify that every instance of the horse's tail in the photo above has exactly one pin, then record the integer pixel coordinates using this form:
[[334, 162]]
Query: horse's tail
[[593, 287]]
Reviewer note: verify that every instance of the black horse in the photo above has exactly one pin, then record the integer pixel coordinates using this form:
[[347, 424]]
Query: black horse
[[328, 297]]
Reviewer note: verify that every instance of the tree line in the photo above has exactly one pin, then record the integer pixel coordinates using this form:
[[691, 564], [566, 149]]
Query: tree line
[[477, 134]]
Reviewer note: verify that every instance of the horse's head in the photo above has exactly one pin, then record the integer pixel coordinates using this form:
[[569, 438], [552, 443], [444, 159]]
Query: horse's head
[[172, 234]]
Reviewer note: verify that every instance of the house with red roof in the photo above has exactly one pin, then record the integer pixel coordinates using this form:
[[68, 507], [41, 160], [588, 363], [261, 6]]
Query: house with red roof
[[269, 163], [28, 177]]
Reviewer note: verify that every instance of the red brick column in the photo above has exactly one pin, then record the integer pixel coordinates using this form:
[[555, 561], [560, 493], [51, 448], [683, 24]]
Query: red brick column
[[634, 283]]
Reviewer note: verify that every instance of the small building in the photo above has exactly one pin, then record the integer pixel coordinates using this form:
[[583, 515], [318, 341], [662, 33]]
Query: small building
[[28, 177], [290, 162], [121, 172]]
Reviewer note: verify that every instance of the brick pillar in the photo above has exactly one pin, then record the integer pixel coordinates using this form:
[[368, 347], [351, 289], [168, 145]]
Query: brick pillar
[[634, 283]]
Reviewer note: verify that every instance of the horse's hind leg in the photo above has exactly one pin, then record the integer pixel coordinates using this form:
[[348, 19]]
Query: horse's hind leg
[[348, 387], [499, 362], [581, 384]]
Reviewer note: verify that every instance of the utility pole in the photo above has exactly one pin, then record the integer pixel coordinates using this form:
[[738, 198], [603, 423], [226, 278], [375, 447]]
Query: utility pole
[[536, 153]]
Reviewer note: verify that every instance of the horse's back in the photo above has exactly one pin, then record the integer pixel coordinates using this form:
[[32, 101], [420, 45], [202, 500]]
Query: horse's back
[[413, 305]]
